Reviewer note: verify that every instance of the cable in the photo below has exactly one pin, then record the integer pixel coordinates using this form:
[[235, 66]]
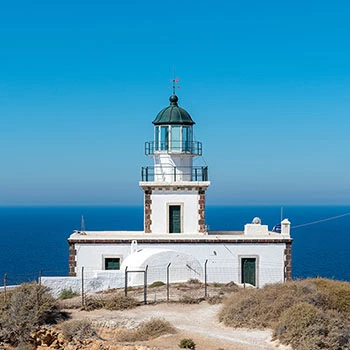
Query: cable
[[323, 220]]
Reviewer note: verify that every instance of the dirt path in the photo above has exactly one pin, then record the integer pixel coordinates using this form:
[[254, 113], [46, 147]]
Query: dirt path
[[198, 322]]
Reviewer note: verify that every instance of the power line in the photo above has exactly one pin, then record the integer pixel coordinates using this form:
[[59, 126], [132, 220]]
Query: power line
[[323, 220]]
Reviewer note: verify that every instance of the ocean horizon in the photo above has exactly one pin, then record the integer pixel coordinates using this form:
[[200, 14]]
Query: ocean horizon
[[34, 238]]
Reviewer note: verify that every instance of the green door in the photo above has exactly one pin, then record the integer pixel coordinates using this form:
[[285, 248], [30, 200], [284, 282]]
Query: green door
[[174, 219], [249, 271]]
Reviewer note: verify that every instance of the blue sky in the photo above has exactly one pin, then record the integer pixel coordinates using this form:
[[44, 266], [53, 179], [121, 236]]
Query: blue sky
[[268, 84]]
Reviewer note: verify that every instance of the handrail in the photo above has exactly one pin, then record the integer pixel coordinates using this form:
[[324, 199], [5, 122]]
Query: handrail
[[195, 173], [189, 147]]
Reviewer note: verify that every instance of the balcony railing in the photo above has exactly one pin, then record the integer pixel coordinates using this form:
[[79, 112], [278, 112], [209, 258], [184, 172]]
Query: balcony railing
[[152, 173], [193, 148]]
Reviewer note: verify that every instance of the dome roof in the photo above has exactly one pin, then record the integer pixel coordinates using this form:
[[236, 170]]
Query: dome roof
[[173, 114]]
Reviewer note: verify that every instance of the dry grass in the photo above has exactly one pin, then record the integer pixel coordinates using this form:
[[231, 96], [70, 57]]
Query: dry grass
[[151, 329], [308, 314]]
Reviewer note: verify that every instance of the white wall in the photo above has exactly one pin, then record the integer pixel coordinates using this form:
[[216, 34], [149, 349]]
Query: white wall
[[223, 259], [188, 200], [93, 282], [164, 164]]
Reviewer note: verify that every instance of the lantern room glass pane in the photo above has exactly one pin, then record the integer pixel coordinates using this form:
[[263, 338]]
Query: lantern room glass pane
[[175, 138], [164, 134], [156, 138], [186, 139]]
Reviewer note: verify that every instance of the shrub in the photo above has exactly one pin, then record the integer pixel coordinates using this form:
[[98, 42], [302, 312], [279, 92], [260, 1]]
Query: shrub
[[306, 327], [154, 328], [121, 302], [215, 299], [93, 303], [187, 343], [300, 321], [156, 284], [335, 294], [308, 314], [29, 306], [148, 330], [67, 294], [189, 299], [79, 330], [263, 307], [194, 281]]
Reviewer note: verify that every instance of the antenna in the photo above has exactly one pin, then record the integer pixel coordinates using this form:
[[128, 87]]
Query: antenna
[[82, 229], [281, 213]]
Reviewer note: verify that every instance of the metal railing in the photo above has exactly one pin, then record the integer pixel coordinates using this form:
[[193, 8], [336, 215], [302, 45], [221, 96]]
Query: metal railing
[[151, 173], [190, 147]]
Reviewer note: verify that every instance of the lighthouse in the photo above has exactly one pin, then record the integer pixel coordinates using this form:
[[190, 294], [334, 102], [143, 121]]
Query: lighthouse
[[175, 234], [174, 189]]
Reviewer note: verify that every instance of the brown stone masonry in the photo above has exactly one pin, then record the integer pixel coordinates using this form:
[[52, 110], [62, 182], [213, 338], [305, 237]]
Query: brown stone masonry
[[72, 252], [148, 210], [201, 210], [288, 262]]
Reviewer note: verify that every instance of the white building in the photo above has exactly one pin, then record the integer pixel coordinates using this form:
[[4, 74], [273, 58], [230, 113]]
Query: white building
[[175, 235]]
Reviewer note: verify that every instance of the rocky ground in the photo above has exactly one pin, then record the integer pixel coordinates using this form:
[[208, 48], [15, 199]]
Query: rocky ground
[[196, 321]]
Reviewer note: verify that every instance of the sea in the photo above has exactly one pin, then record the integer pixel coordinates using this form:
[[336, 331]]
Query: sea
[[34, 239]]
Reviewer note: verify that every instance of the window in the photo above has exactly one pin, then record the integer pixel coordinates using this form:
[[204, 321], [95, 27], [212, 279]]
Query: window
[[156, 138], [164, 132], [112, 264], [186, 138], [175, 138]]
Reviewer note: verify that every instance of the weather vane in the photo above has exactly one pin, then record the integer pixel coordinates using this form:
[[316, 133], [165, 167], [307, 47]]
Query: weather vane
[[174, 82]]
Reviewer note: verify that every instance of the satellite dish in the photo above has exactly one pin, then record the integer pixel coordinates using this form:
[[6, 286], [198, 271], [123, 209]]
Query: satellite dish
[[256, 221]]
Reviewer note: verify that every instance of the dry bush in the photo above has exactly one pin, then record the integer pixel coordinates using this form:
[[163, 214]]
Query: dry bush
[[189, 299], [262, 308], [154, 328], [194, 281], [79, 330], [306, 327], [121, 302], [27, 307], [335, 295], [187, 343], [156, 284], [308, 314], [148, 330], [93, 303], [67, 294], [215, 299]]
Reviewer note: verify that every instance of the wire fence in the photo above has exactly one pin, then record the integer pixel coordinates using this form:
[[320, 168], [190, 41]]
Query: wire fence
[[155, 283]]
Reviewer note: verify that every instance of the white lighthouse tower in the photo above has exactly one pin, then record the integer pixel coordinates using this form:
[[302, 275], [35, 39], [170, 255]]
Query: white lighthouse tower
[[174, 189]]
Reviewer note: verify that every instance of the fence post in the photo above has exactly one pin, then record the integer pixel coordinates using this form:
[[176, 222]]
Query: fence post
[[167, 282], [205, 279], [40, 275], [5, 284], [126, 282], [145, 285], [82, 287]]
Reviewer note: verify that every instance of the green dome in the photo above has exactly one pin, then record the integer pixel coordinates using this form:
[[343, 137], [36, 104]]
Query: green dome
[[173, 114]]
